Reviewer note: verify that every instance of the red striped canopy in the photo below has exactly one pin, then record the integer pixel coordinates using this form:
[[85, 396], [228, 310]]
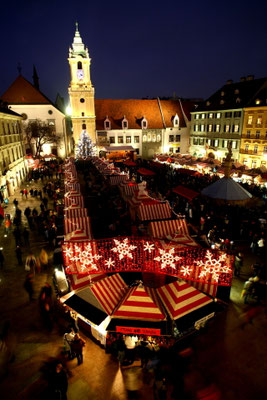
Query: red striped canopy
[[160, 229], [77, 199], [76, 235], [109, 291], [140, 303], [180, 299], [75, 211], [83, 223], [79, 281], [148, 212], [185, 192], [117, 179]]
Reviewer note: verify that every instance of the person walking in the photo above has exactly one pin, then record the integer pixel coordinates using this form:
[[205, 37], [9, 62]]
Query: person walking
[[45, 302], [59, 383], [238, 264], [77, 346], [28, 285], [30, 263], [19, 255], [15, 202]]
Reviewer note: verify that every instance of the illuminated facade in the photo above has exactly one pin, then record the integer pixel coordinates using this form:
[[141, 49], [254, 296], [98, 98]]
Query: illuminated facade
[[253, 149], [220, 119], [81, 91], [13, 169]]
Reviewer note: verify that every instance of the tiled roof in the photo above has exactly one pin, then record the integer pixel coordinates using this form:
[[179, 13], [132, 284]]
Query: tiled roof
[[23, 92], [233, 95], [261, 97], [134, 110]]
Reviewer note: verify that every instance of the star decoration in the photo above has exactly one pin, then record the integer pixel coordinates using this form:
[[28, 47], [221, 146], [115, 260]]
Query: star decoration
[[123, 248], [109, 263], [186, 270], [149, 247], [167, 258]]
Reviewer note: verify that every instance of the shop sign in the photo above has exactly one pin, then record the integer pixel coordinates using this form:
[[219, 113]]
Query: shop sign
[[138, 331]]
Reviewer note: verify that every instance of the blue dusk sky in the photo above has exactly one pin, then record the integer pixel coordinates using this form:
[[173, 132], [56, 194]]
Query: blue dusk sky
[[138, 49]]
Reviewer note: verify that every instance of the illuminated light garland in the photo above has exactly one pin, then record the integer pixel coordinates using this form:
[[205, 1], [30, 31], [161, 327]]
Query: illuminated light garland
[[136, 254]]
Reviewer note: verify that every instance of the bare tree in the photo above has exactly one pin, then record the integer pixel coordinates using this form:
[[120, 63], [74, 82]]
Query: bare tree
[[39, 133]]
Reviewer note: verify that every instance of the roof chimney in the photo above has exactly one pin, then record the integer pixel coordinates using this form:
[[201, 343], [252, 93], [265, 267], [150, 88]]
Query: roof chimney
[[242, 79], [229, 82], [250, 77]]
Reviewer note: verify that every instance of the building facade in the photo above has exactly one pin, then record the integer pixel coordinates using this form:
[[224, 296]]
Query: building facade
[[13, 167], [27, 100], [220, 119]]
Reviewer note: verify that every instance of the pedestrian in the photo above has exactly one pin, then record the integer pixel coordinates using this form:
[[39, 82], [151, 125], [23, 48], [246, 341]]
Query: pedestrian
[[77, 346], [28, 285], [45, 302], [25, 191], [30, 263], [7, 225], [59, 383], [238, 264], [261, 245], [43, 257], [19, 255], [15, 202], [67, 340], [22, 193], [2, 258]]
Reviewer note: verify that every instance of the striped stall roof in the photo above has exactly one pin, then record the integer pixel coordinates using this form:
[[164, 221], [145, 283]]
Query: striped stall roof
[[84, 223], [72, 186], [180, 299], [148, 212], [117, 179], [109, 291], [75, 211], [76, 199], [79, 281], [160, 229], [140, 303]]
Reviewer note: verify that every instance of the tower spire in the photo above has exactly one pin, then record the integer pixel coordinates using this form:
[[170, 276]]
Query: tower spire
[[78, 47]]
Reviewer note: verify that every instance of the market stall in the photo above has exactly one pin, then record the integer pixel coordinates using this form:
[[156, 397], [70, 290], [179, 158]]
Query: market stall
[[75, 211], [83, 223], [154, 210]]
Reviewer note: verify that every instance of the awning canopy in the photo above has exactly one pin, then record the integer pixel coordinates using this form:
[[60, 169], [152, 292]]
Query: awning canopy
[[149, 212], [185, 192], [83, 223], [129, 163], [146, 172], [120, 148], [160, 229], [140, 303], [180, 299]]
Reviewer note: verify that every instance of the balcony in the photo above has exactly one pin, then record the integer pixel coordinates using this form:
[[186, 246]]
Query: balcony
[[251, 152]]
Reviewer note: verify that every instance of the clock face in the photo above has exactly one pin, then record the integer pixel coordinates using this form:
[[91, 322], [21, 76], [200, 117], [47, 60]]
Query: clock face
[[80, 74]]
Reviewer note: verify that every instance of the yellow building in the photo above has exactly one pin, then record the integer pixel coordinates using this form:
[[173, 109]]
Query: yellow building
[[253, 147], [81, 90]]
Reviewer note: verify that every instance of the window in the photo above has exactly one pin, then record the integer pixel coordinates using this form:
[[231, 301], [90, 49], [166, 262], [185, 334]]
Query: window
[[237, 114], [84, 126], [128, 139], [255, 150], [203, 116], [124, 123], [202, 127], [238, 100], [137, 151], [197, 116], [246, 148], [170, 149], [257, 134], [171, 138], [222, 94], [265, 149], [50, 112], [82, 100], [218, 115], [112, 139], [195, 141], [234, 144], [257, 102], [218, 128], [221, 101], [250, 119], [120, 139], [82, 114], [149, 137], [144, 138], [216, 143], [208, 141], [176, 121], [202, 141], [224, 143], [136, 139], [245, 161], [177, 138], [177, 150], [236, 128], [259, 120], [154, 138], [158, 138], [79, 65], [226, 128], [210, 128], [210, 115], [228, 114], [144, 123], [107, 124], [196, 128], [248, 134]]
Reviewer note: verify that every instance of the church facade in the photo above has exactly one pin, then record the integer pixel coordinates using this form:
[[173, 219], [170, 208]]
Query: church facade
[[146, 126]]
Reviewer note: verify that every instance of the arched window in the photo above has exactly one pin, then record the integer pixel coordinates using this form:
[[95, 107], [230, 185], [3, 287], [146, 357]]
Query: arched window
[[79, 65], [144, 123], [176, 121], [84, 126], [107, 124], [124, 123]]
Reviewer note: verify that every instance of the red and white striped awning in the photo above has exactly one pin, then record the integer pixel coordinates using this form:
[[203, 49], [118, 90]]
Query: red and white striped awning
[[140, 303], [77, 199], [72, 186], [156, 210], [83, 223], [79, 281], [76, 235], [75, 211], [72, 192], [129, 188], [109, 291], [117, 179], [160, 229], [180, 299]]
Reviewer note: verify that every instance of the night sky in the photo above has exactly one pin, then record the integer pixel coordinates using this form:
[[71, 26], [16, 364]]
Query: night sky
[[138, 49]]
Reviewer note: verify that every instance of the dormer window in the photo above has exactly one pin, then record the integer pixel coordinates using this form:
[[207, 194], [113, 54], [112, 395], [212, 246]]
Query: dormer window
[[238, 99], [222, 94], [176, 121], [107, 124], [208, 103], [124, 123], [222, 101], [144, 123], [257, 101]]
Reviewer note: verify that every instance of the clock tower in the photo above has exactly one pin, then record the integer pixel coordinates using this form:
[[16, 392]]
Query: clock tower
[[81, 90]]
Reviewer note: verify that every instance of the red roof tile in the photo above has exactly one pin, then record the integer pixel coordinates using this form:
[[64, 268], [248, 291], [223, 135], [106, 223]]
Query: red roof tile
[[23, 92]]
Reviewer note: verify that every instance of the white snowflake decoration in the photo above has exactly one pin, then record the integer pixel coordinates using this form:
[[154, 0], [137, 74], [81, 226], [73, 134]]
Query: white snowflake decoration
[[167, 258], [123, 248], [109, 263], [212, 266], [186, 270], [83, 258], [149, 247]]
